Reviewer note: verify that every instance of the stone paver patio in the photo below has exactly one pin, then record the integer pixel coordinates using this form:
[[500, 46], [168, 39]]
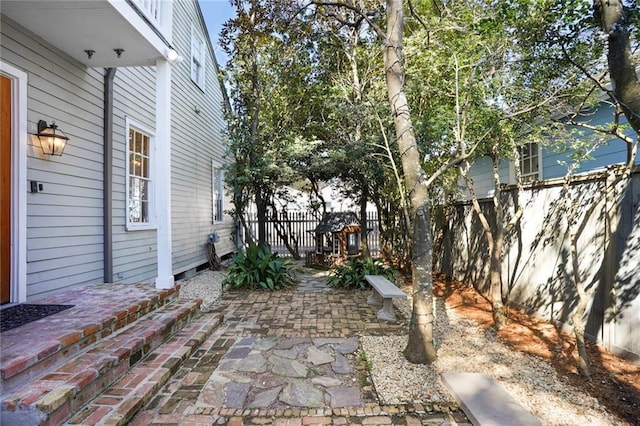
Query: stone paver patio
[[286, 358]]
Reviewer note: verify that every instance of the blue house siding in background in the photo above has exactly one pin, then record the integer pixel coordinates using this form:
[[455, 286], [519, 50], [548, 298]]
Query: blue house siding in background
[[554, 164]]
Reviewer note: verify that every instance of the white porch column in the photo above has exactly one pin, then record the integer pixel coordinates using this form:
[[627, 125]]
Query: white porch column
[[163, 173]]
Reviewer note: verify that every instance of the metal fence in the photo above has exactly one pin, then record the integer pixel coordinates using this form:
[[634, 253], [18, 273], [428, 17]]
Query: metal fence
[[298, 227]]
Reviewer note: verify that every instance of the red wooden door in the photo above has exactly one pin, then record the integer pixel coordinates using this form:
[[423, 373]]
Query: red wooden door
[[5, 189]]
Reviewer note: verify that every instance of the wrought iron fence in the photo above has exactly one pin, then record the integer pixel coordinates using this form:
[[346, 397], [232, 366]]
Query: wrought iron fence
[[297, 228]]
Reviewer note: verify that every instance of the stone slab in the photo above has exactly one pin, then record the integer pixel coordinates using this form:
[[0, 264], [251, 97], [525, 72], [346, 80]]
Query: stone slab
[[318, 357], [384, 287], [485, 402], [345, 397], [265, 398], [236, 394], [347, 346], [300, 393], [341, 365]]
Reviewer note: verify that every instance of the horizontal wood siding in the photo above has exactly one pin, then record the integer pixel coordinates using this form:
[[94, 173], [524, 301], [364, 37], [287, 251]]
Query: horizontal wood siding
[[481, 173], [64, 220], [197, 139], [134, 252]]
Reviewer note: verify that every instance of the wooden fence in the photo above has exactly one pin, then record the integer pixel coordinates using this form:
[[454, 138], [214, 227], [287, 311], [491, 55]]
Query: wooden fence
[[298, 228]]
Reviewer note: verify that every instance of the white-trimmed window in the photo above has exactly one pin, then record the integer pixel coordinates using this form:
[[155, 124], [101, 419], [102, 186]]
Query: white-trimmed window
[[217, 191], [530, 162], [139, 183], [198, 58]]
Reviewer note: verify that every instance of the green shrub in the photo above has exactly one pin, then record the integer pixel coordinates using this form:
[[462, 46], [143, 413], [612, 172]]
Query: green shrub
[[351, 275], [258, 267]]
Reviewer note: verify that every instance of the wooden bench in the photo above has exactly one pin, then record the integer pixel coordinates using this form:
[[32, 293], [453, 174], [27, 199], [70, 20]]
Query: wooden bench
[[384, 291]]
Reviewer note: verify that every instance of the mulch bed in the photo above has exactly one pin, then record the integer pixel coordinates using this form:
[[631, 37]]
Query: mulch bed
[[614, 382]]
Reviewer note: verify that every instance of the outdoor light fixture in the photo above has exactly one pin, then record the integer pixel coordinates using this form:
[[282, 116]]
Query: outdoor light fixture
[[52, 140]]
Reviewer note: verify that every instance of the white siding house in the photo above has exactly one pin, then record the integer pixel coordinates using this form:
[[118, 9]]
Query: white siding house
[[135, 193]]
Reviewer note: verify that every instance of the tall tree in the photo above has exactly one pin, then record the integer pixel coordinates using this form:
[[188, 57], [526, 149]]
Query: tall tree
[[273, 103], [420, 346], [617, 20]]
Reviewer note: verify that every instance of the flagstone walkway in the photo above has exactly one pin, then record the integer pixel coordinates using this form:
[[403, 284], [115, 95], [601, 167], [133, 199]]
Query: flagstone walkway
[[286, 358]]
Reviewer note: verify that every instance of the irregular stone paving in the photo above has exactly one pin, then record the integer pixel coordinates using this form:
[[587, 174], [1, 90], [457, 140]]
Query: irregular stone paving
[[276, 373], [286, 358]]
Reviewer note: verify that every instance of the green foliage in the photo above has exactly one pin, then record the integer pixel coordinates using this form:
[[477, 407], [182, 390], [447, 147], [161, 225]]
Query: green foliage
[[351, 275], [368, 364], [258, 267]]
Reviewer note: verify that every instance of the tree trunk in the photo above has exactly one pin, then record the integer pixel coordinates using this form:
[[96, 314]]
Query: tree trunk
[[420, 346], [497, 307], [282, 226], [622, 68], [364, 233], [495, 265], [261, 210], [578, 314]]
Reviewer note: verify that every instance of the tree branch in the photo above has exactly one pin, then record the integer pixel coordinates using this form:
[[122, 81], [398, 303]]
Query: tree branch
[[354, 9]]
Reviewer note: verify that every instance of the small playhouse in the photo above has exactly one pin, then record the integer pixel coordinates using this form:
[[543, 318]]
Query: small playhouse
[[337, 236]]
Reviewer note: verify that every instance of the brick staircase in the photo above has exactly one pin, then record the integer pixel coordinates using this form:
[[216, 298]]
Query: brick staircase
[[100, 361]]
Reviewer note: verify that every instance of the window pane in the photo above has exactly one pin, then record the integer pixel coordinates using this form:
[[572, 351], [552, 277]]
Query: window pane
[[194, 71], [139, 197], [219, 211], [131, 163], [134, 211], [138, 147], [144, 190], [137, 165], [134, 200], [131, 136], [134, 188], [144, 211]]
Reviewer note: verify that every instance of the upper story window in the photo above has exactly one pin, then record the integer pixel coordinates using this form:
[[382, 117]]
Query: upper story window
[[218, 192], [139, 177], [530, 162], [198, 58]]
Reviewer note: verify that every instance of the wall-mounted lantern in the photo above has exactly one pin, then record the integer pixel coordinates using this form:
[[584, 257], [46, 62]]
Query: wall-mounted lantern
[[52, 140]]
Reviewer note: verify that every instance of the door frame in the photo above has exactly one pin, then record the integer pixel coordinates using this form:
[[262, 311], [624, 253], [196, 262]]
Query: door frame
[[19, 141]]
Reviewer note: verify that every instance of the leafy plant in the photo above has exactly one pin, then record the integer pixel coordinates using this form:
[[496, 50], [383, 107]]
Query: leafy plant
[[257, 267], [368, 364], [351, 275]]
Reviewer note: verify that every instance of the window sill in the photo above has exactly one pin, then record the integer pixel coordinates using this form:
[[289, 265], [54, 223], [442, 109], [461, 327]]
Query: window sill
[[134, 228], [198, 85]]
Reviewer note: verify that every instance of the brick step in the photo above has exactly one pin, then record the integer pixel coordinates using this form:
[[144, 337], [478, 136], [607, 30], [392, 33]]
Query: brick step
[[53, 397], [36, 348], [118, 404]]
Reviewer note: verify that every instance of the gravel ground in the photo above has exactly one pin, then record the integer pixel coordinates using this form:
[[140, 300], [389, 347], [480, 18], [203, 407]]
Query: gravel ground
[[462, 347], [465, 347], [206, 285]]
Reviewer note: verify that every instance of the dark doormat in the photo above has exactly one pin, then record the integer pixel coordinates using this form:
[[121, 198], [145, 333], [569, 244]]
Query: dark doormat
[[15, 316]]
